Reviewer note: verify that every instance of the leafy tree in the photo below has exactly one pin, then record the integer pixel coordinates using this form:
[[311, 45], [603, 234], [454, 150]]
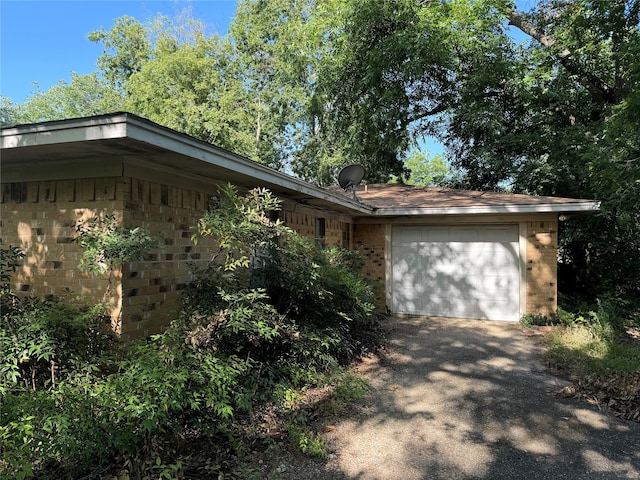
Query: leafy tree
[[553, 115], [185, 88], [126, 49], [271, 51], [586, 82], [85, 95], [8, 111], [425, 170], [223, 91]]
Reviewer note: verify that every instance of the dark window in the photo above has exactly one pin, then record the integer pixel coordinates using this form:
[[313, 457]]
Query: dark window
[[320, 231], [273, 215], [346, 235]]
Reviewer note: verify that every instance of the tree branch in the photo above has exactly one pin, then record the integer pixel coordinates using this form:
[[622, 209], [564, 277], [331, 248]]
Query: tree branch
[[518, 20], [434, 111], [600, 91]]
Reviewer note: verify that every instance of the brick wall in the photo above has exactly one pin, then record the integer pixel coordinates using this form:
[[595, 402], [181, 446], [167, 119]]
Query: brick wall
[[541, 267], [40, 218], [152, 288], [370, 240], [303, 221]]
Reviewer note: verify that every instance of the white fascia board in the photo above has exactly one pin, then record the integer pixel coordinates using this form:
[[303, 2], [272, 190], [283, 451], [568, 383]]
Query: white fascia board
[[74, 130], [482, 209]]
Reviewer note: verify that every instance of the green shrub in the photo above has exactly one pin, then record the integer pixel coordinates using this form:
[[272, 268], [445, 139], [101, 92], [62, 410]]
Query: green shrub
[[42, 341], [590, 339], [605, 318], [536, 319], [326, 306], [306, 440], [76, 403], [240, 225], [105, 244], [10, 258], [52, 366], [330, 301], [581, 350]]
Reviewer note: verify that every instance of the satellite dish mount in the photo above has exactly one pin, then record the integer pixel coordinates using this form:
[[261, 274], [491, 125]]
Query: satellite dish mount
[[350, 177]]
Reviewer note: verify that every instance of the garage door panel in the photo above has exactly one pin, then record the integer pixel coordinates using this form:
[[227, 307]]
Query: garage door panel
[[436, 234], [500, 234], [432, 251], [464, 235], [406, 258], [409, 235], [456, 271], [412, 308], [496, 284]]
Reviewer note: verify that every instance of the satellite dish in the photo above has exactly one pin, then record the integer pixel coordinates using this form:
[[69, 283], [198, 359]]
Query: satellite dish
[[350, 177]]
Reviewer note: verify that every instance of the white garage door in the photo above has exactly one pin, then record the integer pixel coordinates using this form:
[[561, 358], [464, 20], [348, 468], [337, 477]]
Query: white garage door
[[456, 271]]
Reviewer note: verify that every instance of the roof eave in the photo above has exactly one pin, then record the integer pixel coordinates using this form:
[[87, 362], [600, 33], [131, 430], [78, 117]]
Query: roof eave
[[126, 125], [569, 207], [102, 127]]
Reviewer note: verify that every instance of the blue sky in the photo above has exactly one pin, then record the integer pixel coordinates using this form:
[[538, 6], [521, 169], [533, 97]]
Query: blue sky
[[44, 41]]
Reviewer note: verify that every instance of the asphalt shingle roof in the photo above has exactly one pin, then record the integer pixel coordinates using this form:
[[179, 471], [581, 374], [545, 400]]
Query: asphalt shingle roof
[[397, 196]]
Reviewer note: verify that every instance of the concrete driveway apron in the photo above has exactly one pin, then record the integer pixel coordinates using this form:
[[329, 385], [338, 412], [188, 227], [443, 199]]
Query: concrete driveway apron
[[464, 399]]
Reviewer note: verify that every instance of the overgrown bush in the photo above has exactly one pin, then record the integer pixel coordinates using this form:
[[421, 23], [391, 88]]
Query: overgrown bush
[[327, 306], [312, 286], [606, 318], [537, 320], [10, 258], [582, 350], [52, 361], [106, 244], [271, 313]]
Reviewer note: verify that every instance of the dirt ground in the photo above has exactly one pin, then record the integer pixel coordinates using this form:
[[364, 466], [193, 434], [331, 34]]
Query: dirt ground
[[465, 399]]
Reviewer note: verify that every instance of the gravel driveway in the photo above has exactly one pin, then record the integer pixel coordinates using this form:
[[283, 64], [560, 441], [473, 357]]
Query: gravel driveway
[[464, 399]]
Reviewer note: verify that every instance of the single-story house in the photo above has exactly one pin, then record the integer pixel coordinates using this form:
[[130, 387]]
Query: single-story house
[[437, 252]]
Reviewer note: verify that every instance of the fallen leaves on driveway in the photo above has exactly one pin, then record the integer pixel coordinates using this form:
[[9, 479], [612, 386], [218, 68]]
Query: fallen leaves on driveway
[[618, 392]]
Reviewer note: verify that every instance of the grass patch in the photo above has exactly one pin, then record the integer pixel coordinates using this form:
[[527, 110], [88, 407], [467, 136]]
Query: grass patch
[[603, 363], [306, 440], [581, 350]]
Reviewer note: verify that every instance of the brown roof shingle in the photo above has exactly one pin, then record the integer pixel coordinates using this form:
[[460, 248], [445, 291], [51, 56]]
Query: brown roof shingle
[[409, 197]]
